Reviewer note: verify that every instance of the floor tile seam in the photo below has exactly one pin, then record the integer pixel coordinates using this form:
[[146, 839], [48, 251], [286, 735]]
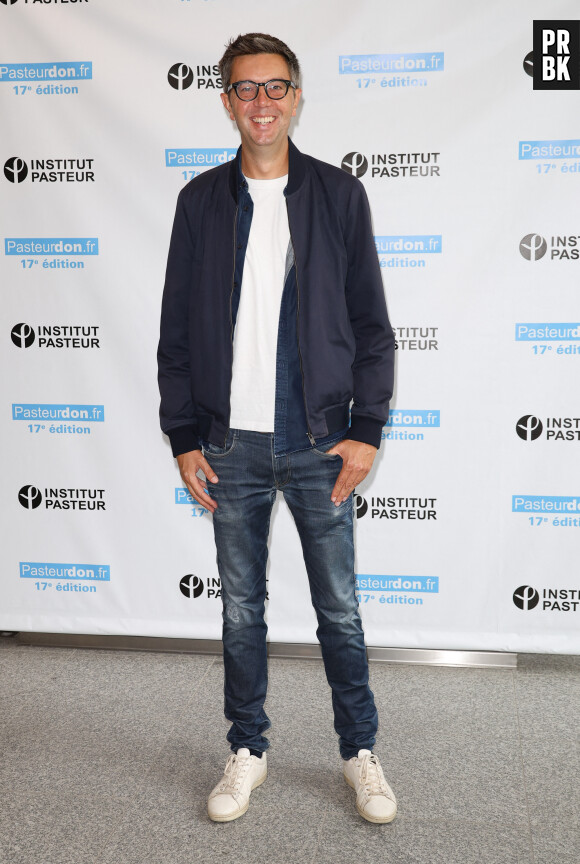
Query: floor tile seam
[[523, 764]]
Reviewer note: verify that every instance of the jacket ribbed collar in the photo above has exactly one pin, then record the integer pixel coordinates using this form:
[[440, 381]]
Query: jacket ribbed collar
[[296, 171]]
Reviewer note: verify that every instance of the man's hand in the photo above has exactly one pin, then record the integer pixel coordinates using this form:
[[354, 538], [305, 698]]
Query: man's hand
[[357, 461], [189, 464]]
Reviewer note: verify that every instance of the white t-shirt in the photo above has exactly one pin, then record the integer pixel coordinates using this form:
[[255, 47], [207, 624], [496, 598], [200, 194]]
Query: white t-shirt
[[256, 333]]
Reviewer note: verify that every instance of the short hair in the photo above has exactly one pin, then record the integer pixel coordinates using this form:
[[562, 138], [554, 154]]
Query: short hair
[[257, 43]]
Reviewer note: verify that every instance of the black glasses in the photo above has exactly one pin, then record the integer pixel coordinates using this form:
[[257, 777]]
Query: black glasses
[[248, 90]]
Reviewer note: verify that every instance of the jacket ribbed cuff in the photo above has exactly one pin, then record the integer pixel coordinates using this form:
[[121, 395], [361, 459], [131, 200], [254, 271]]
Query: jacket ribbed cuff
[[366, 430], [183, 439]]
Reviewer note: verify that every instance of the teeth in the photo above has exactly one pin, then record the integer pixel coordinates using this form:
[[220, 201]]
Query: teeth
[[263, 120]]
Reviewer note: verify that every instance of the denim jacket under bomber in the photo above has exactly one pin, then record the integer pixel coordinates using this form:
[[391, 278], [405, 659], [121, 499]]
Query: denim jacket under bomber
[[335, 344]]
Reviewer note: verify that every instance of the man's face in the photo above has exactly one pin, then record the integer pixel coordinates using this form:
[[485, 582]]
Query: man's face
[[263, 122]]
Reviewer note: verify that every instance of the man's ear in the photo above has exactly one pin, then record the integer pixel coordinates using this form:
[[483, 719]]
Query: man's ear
[[226, 103], [297, 95]]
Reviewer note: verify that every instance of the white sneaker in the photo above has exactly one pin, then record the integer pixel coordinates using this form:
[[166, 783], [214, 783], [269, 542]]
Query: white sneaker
[[231, 797], [375, 800]]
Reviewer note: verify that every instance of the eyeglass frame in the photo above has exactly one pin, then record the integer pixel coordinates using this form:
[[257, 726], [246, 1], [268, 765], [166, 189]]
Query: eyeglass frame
[[263, 84]]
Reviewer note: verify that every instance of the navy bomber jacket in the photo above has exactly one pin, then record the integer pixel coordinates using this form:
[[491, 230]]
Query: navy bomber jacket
[[342, 344]]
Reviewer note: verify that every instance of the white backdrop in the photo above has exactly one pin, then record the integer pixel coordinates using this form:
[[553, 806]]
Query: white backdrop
[[467, 528]]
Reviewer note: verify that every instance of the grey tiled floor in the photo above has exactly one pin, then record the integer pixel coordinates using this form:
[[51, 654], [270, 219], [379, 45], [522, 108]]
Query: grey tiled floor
[[107, 757]]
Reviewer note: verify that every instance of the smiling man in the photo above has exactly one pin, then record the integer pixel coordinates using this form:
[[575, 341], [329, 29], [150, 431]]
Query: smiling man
[[275, 372]]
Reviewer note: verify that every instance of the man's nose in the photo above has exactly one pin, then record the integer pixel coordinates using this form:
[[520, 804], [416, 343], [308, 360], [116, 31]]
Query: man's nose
[[262, 97]]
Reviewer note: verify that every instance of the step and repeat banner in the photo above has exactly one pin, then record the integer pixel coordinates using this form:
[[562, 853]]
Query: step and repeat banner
[[464, 127]]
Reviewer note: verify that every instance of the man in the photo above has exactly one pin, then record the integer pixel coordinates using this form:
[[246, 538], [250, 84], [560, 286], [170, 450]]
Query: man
[[275, 371]]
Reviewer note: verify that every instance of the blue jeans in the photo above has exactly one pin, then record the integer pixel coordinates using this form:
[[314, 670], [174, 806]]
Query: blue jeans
[[249, 475]]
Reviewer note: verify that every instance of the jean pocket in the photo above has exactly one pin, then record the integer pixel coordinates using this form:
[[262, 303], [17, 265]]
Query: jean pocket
[[215, 450], [323, 449]]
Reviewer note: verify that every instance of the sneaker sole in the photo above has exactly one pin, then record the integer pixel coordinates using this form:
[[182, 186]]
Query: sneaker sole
[[364, 815], [238, 813]]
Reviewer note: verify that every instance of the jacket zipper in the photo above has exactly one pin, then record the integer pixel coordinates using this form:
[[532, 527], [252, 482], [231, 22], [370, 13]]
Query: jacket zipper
[[232, 325], [311, 437]]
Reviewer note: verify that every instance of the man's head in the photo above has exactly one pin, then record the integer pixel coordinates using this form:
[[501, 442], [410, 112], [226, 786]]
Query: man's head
[[257, 43], [262, 114]]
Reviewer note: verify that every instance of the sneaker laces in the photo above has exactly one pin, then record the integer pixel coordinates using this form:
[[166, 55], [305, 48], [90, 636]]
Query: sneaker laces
[[235, 773], [372, 778]]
